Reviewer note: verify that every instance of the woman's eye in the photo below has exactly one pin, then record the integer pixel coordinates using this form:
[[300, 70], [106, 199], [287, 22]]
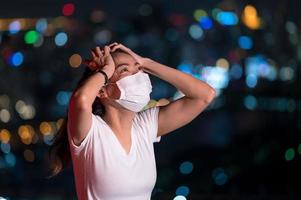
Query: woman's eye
[[124, 69]]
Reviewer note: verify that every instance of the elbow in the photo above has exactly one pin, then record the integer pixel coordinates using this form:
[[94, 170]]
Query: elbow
[[80, 101], [211, 94], [207, 96]]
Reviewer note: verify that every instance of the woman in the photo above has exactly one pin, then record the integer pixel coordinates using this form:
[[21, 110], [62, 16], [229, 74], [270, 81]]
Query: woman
[[112, 151]]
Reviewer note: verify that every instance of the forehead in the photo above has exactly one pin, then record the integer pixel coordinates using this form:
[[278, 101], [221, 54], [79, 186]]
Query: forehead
[[123, 58]]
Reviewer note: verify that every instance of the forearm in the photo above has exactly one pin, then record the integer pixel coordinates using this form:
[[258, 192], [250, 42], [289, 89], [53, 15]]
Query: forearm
[[192, 87], [88, 90]]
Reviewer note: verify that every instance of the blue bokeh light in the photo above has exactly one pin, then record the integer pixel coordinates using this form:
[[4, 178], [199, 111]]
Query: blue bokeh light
[[14, 27], [186, 167], [63, 97], [5, 147], [16, 59], [182, 190], [41, 25], [245, 42], [10, 159], [206, 23], [236, 71], [61, 39], [250, 102], [219, 176], [227, 18]]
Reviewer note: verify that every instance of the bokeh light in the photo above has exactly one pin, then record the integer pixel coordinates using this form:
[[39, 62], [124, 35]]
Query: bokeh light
[[245, 42], [4, 115], [75, 60], [179, 197], [61, 39], [289, 154], [219, 176], [14, 27], [182, 190], [16, 59], [5, 136], [31, 37], [186, 167], [26, 133], [251, 18], [41, 25], [227, 18], [68, 9]]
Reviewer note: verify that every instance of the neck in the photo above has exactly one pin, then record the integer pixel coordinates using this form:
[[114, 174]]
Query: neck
[[120, 120]]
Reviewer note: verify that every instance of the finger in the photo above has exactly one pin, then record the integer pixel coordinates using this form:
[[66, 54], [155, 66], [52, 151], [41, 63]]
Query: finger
[[93, 54], [98, 51], [111, 48], [107, 50], [111, 45], [116, 47]]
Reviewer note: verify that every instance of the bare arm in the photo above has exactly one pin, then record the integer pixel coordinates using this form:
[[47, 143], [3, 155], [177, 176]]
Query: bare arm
[[178, 113], [80, 107]]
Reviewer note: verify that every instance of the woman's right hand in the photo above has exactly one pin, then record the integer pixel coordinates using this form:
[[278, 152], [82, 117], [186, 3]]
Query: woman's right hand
[[108, 62], [101, 59]]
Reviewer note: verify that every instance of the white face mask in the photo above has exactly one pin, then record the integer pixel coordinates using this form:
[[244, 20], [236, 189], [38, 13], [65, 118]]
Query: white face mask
[[135, 91]]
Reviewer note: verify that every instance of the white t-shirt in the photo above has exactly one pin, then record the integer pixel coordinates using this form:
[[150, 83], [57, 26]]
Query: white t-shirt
[[103, 170]]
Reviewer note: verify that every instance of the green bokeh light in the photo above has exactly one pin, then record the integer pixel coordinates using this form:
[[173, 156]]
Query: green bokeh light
[[289, 154], [31, 37]]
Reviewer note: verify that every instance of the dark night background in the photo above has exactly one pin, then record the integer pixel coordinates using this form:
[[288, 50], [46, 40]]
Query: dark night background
[[245, 145]]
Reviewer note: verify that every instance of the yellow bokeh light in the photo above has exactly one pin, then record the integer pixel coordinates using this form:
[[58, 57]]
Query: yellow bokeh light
[[45, 128], [250, 11], [222, 62], [250, 17], [5, 136], [26, 132], [75, 60]]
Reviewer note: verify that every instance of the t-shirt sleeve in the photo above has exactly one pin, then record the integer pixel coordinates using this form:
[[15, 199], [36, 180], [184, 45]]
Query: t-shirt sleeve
[[86, 145], [151, 116]]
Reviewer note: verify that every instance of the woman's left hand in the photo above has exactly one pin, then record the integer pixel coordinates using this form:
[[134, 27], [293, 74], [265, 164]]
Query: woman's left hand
[[141, 60]]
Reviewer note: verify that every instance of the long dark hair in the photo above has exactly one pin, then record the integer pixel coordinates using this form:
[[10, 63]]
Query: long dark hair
[[59, 152]]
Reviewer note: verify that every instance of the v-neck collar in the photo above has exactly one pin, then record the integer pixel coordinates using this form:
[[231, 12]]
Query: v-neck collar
[[117, 142]]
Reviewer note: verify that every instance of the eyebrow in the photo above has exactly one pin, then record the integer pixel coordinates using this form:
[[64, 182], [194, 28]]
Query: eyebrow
[[121, 65]]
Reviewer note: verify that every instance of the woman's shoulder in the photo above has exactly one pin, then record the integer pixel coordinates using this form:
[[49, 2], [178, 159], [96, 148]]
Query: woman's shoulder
[[148, 114]]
